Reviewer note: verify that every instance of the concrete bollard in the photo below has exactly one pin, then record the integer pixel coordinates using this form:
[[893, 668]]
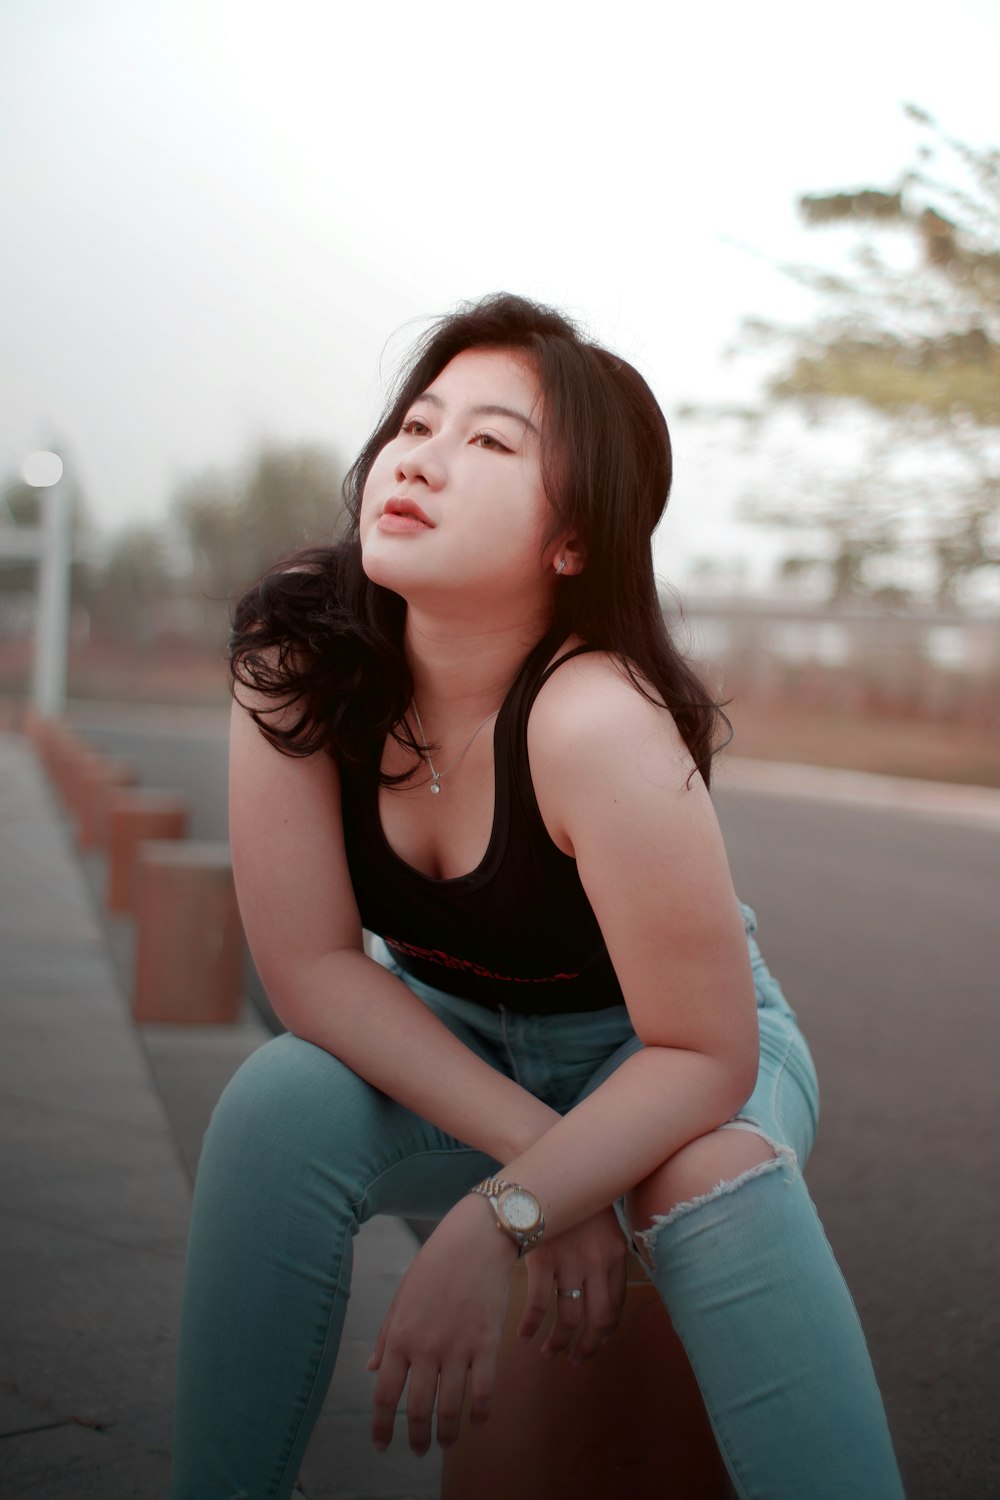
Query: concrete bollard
[[134, 816], [34, 724], [101, 778], [80, 762], [64, 754], [189, 938], [39, 730], [52, 741], [11, 716], [628, 1422]]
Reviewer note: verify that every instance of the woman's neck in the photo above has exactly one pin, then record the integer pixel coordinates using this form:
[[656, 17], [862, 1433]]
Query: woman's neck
[[465, 672]]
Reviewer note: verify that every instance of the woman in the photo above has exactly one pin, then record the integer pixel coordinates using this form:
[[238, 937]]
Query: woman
[[493, 757]]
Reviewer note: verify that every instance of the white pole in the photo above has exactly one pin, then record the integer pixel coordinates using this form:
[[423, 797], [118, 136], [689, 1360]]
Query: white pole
[[48, 689]]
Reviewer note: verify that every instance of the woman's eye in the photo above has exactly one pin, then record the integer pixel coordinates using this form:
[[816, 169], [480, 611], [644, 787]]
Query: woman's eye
[[415, 427], [490, 440]]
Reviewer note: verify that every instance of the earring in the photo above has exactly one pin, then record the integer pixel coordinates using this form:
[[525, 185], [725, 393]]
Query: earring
[[561, 565]]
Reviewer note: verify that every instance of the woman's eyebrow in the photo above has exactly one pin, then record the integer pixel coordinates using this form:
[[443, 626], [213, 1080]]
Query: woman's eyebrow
[[484, 411], [504, 411]]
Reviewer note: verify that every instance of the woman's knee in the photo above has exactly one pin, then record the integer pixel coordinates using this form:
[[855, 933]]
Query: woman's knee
[[711, 1164], [287, 1094]]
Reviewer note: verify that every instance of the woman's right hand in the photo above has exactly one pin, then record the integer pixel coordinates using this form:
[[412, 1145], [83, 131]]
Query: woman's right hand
[[591, 1258]]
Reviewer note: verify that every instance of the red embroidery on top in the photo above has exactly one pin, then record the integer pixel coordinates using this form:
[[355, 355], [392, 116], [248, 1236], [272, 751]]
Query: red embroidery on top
[[447, 961]]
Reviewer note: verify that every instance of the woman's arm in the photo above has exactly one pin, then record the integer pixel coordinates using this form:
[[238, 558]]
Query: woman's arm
[[613, 783], [303, 929]]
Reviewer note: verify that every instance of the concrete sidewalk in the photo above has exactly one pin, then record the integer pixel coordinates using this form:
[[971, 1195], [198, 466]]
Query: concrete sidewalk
[[101, 1121]]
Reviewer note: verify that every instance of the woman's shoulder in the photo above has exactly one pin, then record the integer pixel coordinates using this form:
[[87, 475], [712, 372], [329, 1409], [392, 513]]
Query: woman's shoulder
[[604, 755], [595, 706], [592, 689]]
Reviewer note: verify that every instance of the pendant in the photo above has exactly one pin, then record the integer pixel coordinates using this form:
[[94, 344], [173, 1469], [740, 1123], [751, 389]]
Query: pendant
[[434, 786]]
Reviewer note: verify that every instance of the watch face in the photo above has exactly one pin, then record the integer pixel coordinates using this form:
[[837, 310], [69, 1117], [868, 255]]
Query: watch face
[[520, 1209]]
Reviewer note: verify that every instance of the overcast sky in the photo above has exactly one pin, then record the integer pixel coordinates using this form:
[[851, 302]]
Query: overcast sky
[[218, 212]]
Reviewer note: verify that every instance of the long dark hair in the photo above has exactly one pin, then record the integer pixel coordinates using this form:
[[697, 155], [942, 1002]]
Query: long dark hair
[[317, 636]]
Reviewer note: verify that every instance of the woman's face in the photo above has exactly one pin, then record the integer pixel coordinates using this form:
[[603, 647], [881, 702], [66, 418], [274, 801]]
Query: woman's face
[[454, 506]]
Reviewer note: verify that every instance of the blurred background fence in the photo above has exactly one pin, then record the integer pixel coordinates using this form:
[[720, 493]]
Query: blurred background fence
[[935, 666]]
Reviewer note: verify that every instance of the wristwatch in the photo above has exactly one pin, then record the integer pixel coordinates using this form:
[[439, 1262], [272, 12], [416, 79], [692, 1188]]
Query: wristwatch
[[518, 1212]]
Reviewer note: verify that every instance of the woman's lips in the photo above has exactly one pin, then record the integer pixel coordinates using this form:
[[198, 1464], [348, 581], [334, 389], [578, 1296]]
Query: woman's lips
[[401, 521], [402, 516]]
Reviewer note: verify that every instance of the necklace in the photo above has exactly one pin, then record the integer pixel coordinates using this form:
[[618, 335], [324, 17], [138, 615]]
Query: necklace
[[436, 775]]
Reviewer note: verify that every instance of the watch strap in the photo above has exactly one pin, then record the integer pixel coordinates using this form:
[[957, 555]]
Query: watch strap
[[491, 1189]]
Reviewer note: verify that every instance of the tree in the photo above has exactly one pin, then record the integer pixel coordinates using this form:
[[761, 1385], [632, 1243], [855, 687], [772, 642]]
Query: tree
[[846, 544], [234, 525], [909, 336], [133, 591]]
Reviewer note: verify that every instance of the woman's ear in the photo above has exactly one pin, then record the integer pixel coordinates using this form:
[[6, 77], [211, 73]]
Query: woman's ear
[[570, 557]]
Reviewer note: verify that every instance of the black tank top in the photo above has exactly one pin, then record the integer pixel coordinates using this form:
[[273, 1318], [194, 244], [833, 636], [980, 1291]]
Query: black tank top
[[518, 931]]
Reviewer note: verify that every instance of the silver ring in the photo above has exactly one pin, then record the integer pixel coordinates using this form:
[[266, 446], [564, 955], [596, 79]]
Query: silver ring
[[576, 1294]]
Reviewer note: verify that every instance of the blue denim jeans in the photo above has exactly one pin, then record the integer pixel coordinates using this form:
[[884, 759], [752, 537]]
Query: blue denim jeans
[[301, 1152]]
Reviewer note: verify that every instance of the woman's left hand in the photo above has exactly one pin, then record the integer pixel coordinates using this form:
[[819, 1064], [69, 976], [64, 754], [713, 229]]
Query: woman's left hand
[[589, 1259], [443, 1329]]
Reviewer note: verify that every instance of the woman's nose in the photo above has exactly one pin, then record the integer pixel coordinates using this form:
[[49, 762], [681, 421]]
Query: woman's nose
[[422, 462]]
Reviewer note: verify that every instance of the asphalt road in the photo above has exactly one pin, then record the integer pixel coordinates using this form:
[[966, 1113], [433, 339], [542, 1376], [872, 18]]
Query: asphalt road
[[883, 928]]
